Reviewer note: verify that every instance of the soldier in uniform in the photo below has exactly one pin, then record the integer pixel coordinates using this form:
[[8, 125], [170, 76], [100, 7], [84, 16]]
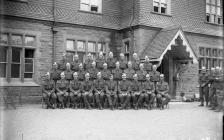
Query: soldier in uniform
[[124, 92], [135, 62], [62, 87], [75, 91], [111, 62], [111, 92], [75, 63], [123, 63], [105, 72], [135, 92], [48, 90], [55, 73], [63, 62], [117, 72], [99, 89], [100, 61], [129, 72], [211, 86], [68, 72], [148, 89], [147, 65], [88, 62], [88, 91], [203, 89], [141, 73], [93, 71], [81, 73], [162, 97]]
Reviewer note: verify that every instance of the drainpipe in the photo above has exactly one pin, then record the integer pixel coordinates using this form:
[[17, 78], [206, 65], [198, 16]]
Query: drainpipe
[[131, 29], [53, 32]]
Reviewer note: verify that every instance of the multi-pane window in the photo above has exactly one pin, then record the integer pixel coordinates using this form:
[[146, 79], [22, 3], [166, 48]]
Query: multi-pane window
[[160, 6], [127, 50], [91, 5], [91, 48], [16, 56], [214, 11], [210, 57], [102, 48]]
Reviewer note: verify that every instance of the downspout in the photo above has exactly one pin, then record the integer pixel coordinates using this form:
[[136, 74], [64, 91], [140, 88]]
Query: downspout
[[131, 28], [53, 32]]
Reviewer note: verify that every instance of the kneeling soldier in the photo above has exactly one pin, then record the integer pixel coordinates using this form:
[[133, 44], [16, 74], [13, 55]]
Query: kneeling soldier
[[163, 97], [111, 92], [87, 91], [62, 91], [124, 92], [135, 92], [75, 91], [48, 90], [148, 89]]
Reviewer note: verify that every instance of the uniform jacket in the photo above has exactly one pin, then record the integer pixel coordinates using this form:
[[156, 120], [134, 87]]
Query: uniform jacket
[[135, 86], [203, 79], [148, 66], [68, 74], [48, 86], [162, 87], [81, 75], [141, 75], [111, 63], [105, 74], [148, 86], [129, 73], [99, 85], [75, 85], [123, 64], [62, 85], [87, 86], [154, 76], [88, 64], [135, 65], [117, 73], [75, 65], [123, 85], [55, 74], [62, 64], [111, 86], [99, 63], [93, 73]]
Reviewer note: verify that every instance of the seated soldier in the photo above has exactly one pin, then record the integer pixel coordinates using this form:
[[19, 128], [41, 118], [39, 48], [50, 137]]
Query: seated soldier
[[135, 62], [111, 62], [123, 63], [105, 72], [124, 92], [141, 73], [68, 72], [93, 71], [111, 92], [129, 72], [87, 91], [81, 73], [88, 62], [135, 88], [147, 65], [98, 88], [162, 97], [117, 72], [62, 87], [55, 73], [100, 61], [75, 63], [148, 89], [48, 89], [75, 91], [63, 62]]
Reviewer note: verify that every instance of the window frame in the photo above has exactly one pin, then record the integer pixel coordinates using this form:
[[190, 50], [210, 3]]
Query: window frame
[[216, 16], [160, 3], [99, 10]]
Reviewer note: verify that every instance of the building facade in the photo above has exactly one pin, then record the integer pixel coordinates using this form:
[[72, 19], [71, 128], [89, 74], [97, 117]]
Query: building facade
[[178, 35]]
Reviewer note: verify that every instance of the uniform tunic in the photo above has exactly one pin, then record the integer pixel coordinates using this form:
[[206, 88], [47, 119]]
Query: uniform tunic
[[62, 85], [117, 73], [81, 75], [62, 64], [123, 86], [87, 86], [68, 74], [93, 73], [55, 74], [129, 73], [76, 85], [105, 74], [162, 87], [111, 63], [141, 75], [135, 86], [111, 87], [88, 64], [75, 65], [148, 86], [123, 65], [48, 86], [99, 63], [135, 64], [148, 67], [99, 85], [154, 76]]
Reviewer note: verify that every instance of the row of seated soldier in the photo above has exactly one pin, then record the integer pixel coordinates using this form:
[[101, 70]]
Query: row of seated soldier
[[98, 86]]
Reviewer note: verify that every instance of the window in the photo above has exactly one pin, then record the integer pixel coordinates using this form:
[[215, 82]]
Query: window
[[160, 6], [214, 11], [16, 56], [92, 49], [210, 57], [127, 50], [102, 48], [91, 5]]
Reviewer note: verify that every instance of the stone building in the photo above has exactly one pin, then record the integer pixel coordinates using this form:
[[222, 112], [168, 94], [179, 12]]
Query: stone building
[[180, 36]]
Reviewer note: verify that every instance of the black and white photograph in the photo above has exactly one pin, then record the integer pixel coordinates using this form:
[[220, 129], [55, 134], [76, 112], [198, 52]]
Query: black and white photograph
[[111, 70]]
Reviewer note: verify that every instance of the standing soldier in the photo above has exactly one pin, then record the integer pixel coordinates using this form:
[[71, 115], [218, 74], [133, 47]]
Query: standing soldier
[[62, 91], [93, 71], [124, 92], [87, 91], [68, 72], [147, 65], [148, 90], [154, 75], [129, 72], [111, 62], [105, 72], [63, 62], [163, 97], [75, 91], [135, 92], [100, 61], [211, 86], [99, 89], [111, 92], [55, 73], [117, 72], [48, 90], [135, 62], [75, 63], [141, 73], [203, 89], [220, 91], [81, 73], [123, 63], [88, 62]]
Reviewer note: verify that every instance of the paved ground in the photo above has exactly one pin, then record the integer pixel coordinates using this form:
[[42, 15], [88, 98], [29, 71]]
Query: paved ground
[[183, 121]]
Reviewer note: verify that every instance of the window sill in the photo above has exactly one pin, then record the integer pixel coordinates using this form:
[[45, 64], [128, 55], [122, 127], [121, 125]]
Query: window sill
[[161, 14], [89, 12], [216, 24], [22, 1], [15, 83]]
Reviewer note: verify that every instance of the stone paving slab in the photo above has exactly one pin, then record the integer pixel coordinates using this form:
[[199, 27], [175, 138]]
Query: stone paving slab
[[182, 121]]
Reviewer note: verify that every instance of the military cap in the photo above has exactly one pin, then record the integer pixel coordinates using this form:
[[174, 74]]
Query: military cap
[[87, 74], [48, 73], [147, 75], [104, 64], [117, 63], [75, 73], [93, 62], [62, 73], [161, 75]]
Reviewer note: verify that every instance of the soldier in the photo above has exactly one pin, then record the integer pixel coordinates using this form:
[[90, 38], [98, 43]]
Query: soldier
[[75, 91], [124, 92], [117, 72], [135, 92], [93, 71], [62, 91], [88, 62], [147, 65], [75, 63], [141, 73], [211, 86], [129, 72], [99, 89], [68, 72], [203, 89], [111, 92], [135, 62], [87, 91], [123, 63], [63, 62], [48, 90], [55, 73], [100, 61], [154, 75], [111, 62], [105, 72], [162, 97], [81, 73], [148, 89]]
